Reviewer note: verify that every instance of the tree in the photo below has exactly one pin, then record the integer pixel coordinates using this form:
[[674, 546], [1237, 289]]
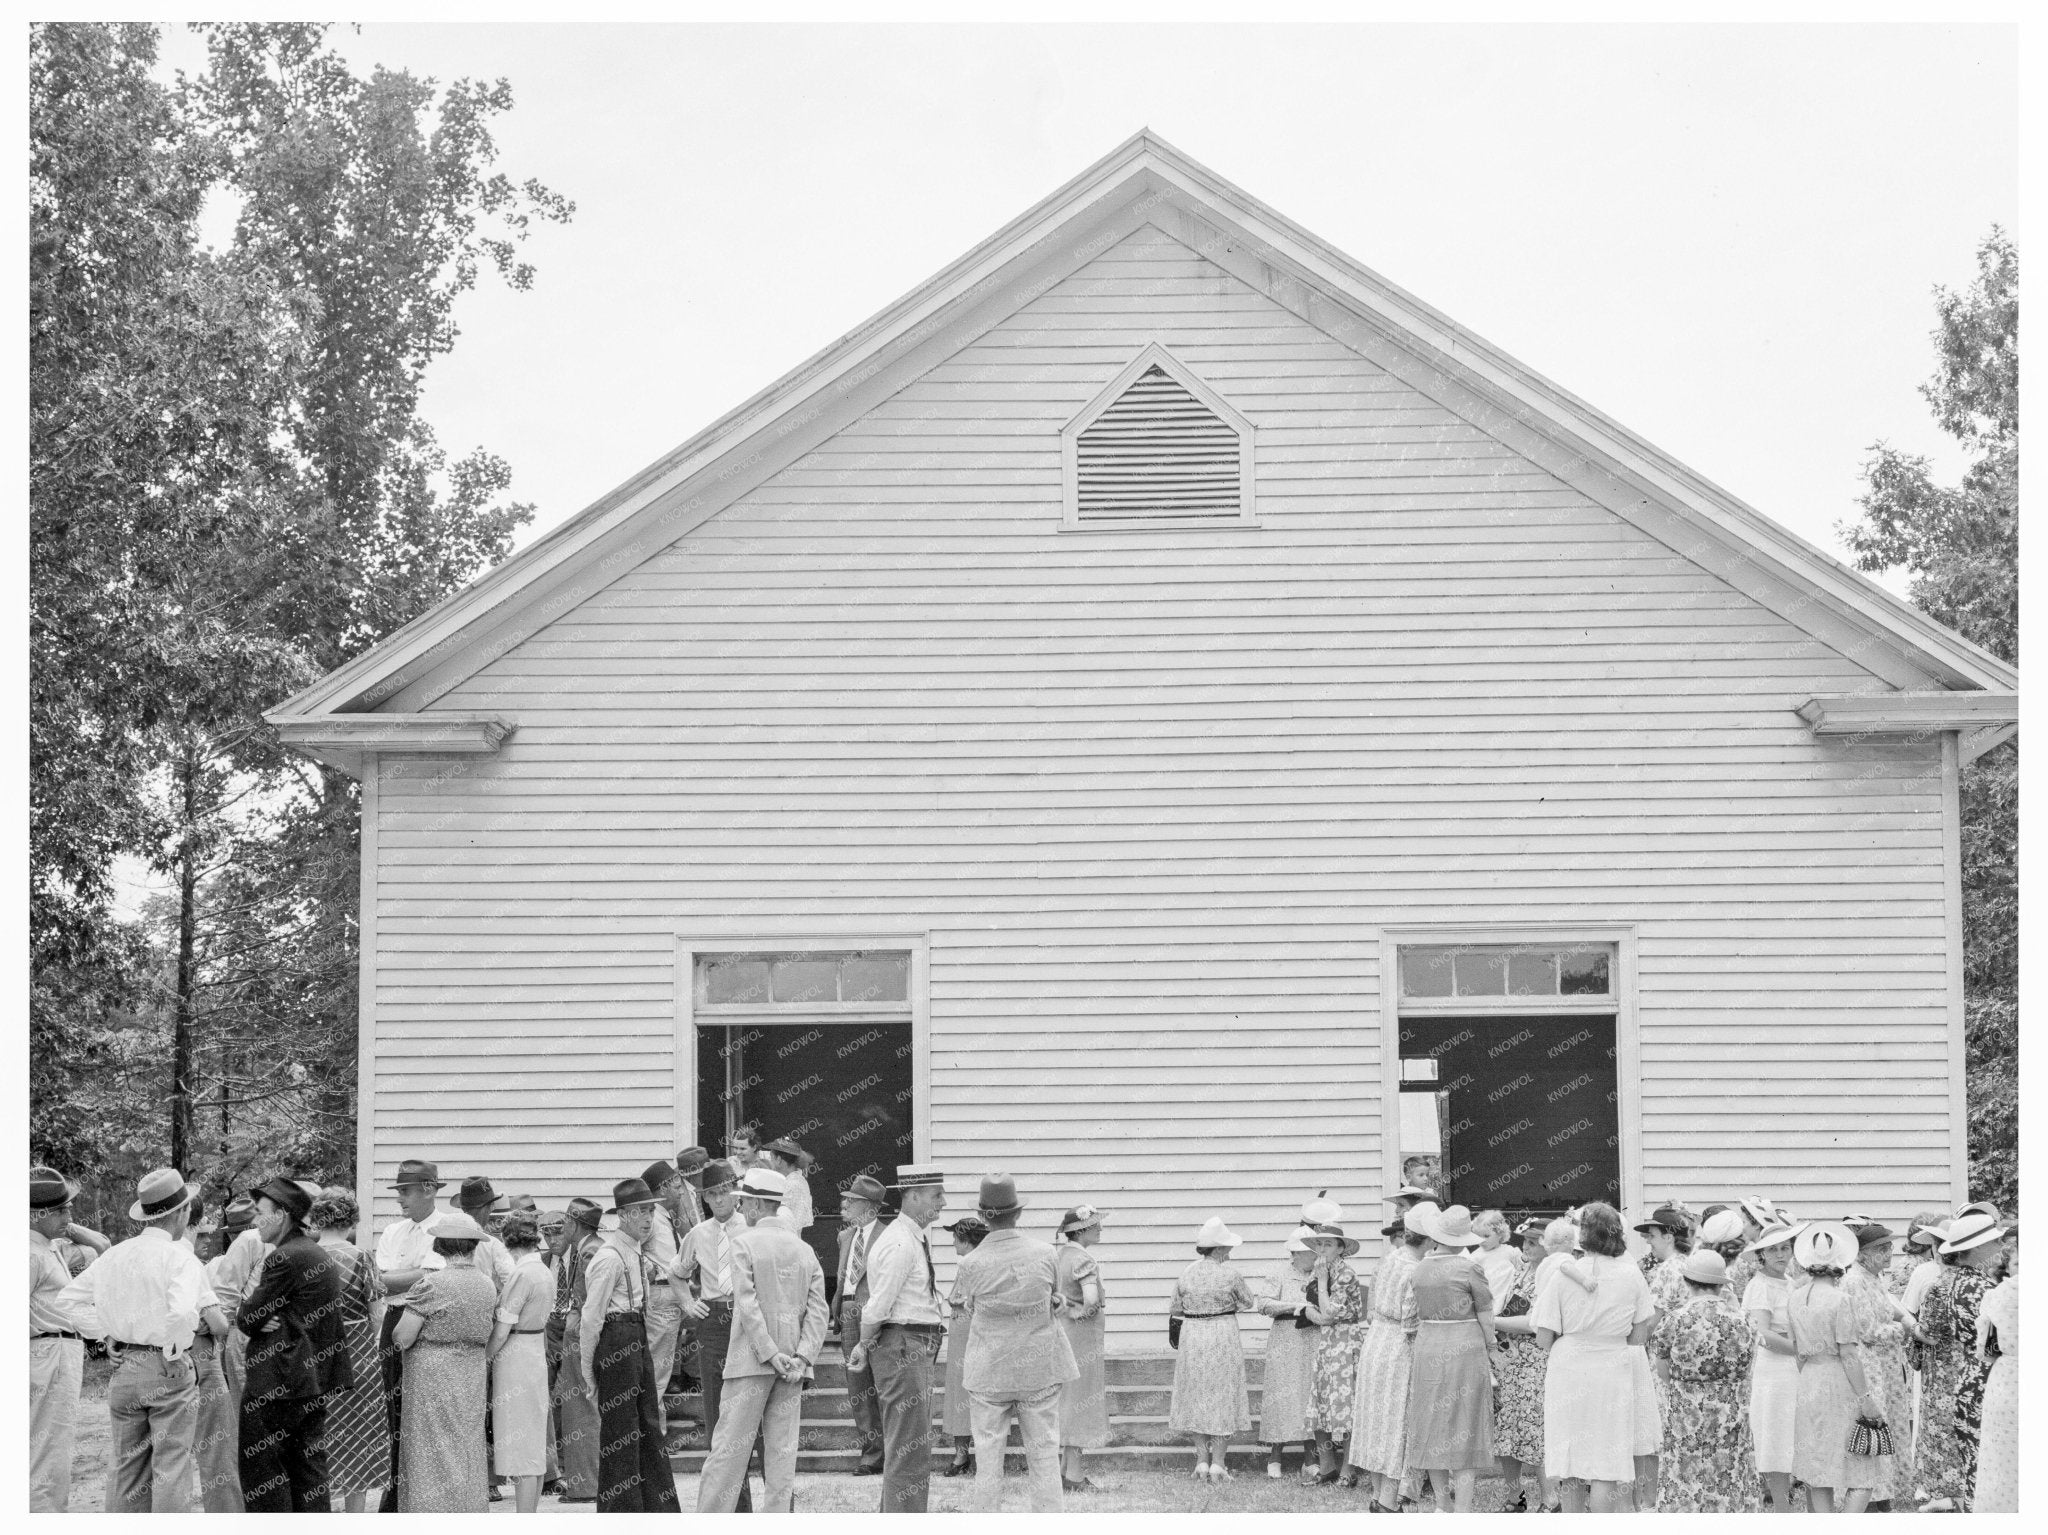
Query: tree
[[1960, 545]]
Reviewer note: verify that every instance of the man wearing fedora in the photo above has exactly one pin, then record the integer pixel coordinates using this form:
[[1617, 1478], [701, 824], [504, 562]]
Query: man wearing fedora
[[861, 1220], [704, 1262], [901, 1328], [298, 1353], [56, 1347], [483, 1204], [632, 1462], [405, 1251], [778, 1329], [1018, 1356], [146, 1294], [232, 1273], [577, 1429], [664, 1297]]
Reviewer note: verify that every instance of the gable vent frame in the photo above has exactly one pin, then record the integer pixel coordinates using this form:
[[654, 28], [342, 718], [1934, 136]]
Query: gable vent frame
[[1244, 513]]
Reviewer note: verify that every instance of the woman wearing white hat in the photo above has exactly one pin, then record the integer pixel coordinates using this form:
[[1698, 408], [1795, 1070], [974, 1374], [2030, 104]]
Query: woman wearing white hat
[[1952, 1376], [1290, 1365], [1084, 1400], [1336, 1304], [1210, 1396], [1450, 1381], [1379, 1419], [1998, 1442], [1702, 1348], [1882, 1332], [1834, 1392], [1774, 1369]]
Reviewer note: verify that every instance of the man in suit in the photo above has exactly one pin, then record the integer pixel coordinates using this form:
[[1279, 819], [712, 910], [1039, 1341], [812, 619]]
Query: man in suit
[[862, 1219], [298, 1353], [1018, 1357], [778, 1329]]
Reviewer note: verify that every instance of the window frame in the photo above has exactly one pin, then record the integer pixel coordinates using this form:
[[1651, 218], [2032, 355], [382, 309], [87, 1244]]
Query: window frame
[[1621, 1005], [1154, 355]]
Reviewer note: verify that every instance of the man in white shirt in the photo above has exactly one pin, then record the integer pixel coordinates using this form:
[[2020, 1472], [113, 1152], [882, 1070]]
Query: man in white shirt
[[664, 1297], [405, 1250], [633, 1475], [233, 1275], [861, 1221], [56, 1348], [901, 1329], [704, 1262], [146, 1294]]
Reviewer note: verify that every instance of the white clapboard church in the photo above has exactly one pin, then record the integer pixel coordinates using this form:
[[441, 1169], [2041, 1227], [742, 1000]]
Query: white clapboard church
[[1162, 712]]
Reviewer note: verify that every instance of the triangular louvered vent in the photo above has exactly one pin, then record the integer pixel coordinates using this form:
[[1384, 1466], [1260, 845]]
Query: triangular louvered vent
[[1157, 451]]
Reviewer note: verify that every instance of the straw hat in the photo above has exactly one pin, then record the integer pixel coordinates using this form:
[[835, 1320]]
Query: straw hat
[[160, 1195], [1773, 1234], [1215, 1234], [1759, 1208], [763, 1183], [1297, 1240], [1452, 1227], [1825, 1244], [1970, 1231], [1704, 1266], [1330, 1230]]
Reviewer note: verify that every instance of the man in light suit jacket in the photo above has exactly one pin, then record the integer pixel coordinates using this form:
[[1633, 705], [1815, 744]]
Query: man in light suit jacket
[[862, 1220], [778, 1328]]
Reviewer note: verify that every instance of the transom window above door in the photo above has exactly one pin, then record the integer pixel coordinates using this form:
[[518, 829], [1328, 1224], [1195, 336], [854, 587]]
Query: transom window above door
[[803, 984]]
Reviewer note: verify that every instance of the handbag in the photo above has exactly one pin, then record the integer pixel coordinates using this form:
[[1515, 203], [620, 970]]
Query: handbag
[[1870, 1438], [1173, 1332], [1516, 1304]]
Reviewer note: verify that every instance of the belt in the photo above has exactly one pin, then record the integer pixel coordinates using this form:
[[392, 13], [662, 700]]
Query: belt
[[521, 1332], [931, 1327], [1446, 1321], [717, 1302], [1203, 1316], [137, 1348], [79, 1336], [622, 1316]]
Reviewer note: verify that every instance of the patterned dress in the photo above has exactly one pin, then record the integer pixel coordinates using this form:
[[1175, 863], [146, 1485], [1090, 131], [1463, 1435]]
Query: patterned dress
[[1210, 1395], [1290, 1368], [441, 1441], [1336, 1378], [1707, 1466], [1518, 1378], [1824, 1331], [1952, 1385], [1084, 1401], [1379, 1417], [1883, 1338], [1998, 1447], [358, 1438]]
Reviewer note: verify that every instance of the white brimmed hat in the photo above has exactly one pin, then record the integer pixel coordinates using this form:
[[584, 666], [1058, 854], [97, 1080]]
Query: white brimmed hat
[[1759, 1209], [763, 1183], [1969, 1231], [1722, 1226], [1773, 1234], [1825, 1244], [1322, 1210], [160, 1195], [1452, 1227], [1215, 1234], [1298, 1239]]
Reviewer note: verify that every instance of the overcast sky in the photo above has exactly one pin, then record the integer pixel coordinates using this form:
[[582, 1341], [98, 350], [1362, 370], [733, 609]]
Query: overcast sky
[[1725, 237]]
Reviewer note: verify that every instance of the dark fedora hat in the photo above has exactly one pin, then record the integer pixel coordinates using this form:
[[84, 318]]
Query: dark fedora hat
[[49, 1189], [1665, 1218], [657, 1174], [477, 1194], [526, 1202], [691, 1159], [286, 1195], [865, 1187], [719, 1175], [584, 1212], [998, 1195], [628, 1192], [413, 1171]]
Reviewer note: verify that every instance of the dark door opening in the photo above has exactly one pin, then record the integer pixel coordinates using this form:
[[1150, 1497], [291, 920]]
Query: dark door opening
[[1527, 1108], [839, 1090]]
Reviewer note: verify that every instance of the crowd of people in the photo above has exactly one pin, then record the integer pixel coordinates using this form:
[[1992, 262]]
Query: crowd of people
[[1745, 1354], [484, 1346]]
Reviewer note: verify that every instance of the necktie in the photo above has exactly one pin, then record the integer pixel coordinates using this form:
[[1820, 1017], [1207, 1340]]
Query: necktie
[[857, 1265], [931, 1275], [722, 1260]]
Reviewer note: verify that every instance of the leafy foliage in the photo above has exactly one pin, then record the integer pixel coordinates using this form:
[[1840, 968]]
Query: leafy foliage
[[1960, 545], [232, 493]]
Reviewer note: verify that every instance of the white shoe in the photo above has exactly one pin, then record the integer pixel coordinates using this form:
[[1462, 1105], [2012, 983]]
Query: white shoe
[[1201, 1471], [1217, 1473], [1273, 1469]]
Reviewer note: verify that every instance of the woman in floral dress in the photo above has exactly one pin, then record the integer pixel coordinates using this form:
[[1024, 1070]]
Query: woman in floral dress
[[1290, 1361], [358, 1437], [448, 1320], [1379, 1418], [1210, 1397], [1952, 1375], [1336, 1304], [1882, 1333], [1702, 1350], [1998, 1447], [1518, 1375]]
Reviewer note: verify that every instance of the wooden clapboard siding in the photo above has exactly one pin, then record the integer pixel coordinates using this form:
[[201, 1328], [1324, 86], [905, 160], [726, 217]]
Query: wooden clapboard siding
[[1152, 795]]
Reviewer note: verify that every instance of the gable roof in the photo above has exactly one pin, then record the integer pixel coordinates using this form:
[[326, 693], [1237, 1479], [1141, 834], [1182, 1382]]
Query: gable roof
[[1145, 180]]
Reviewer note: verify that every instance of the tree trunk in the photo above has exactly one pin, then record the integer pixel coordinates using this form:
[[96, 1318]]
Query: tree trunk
[[188, 926]]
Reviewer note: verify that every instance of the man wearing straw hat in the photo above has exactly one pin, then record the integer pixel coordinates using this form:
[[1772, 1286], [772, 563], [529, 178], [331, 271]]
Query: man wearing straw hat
[[56, 1349], [633, 1474], [145, 1294], [901, 1328], [1018, 1356], [778, 1331], [704, 1261], [405, 1251]]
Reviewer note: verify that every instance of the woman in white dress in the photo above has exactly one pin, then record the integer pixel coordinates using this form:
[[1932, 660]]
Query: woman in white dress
[[1290, 1365], [1774, 1373], [1591, 1411], [1998, 1440]]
